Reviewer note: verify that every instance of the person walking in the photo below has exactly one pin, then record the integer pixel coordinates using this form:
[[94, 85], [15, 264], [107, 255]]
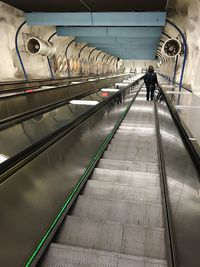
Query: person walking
[[150, 80]]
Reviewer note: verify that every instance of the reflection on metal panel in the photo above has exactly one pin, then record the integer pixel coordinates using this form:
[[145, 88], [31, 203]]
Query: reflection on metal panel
[[183, 186]]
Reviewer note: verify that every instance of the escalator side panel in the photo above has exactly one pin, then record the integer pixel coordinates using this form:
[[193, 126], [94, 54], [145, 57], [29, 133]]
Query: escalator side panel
[[183, 189]]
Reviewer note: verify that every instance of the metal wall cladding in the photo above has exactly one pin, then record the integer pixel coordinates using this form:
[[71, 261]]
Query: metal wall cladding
[[31, 198], [183, 186]]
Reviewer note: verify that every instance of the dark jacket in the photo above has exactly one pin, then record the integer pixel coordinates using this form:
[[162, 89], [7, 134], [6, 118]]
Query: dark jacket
[[150, 78]]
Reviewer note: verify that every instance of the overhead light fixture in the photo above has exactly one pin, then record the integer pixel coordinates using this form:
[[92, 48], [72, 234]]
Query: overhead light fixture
[[178, 93], [3, 158], [84, 102], [127, 81], [109, 90], [90, 80], [47, 87], [182, 107], [75, 82], [122, 84]]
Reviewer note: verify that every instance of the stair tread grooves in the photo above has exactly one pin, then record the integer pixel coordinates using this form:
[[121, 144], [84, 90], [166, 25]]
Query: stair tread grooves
[[147, 157], [131, 166], [126, 177], [126, 181], [104, 209], [113, 237], [123, 192], [69, 256], [122, 172]]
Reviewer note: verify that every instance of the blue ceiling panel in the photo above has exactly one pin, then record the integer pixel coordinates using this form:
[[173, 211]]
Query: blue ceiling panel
[[127, 35], [119, 41], [97, 18], [120, 32]]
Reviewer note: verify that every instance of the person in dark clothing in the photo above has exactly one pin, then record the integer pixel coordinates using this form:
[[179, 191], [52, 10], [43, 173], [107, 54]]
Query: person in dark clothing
[[151, 81]]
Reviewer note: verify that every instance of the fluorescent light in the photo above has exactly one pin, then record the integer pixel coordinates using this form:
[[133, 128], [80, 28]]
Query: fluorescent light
[[109, 90], [142, 108], [75, 82], [177, 93], [84, 102], [182, 107], [47, 87], [127, 81], [90, 80], [122, 84], [3, 158]]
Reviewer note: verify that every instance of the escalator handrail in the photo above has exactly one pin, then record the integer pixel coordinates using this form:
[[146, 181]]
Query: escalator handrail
[[23, 89]]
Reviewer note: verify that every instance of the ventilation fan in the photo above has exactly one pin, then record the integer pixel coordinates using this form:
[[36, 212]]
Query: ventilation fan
[[171, 48]]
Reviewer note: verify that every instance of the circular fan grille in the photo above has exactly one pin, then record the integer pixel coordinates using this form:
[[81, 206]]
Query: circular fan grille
[[172, 48]]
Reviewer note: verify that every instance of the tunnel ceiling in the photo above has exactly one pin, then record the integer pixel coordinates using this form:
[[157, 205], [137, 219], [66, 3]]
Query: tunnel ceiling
[[89, 5], [126, 29]]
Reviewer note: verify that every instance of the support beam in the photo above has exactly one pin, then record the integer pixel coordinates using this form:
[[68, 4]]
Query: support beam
[[110, 31], [97, 18]]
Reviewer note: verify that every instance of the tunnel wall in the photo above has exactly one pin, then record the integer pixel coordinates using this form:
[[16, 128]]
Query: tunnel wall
[[186, 14], [36, 66], [138, 65]]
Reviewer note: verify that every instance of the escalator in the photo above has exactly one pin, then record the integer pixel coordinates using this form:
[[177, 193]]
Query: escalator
[[117, 220], [117, 188]]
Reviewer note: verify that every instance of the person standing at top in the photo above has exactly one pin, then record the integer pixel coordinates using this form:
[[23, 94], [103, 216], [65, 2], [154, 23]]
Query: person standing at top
[[151, 81]]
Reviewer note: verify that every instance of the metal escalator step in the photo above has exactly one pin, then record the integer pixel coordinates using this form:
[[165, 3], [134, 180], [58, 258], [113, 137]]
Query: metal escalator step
[[138, 119], [68, 256], [126, 143], [122, 192], [131, 166], [140, 156], [113, 237], [138, 130], [92, 234], [125, 177], [145, 148], [103, 209], [135, 136]]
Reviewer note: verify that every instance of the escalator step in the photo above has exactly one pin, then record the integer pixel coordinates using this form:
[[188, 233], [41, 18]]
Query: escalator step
[[103, 209], [125, 177], [113, 237], [133, 166], [139, 155], [68, 256], [123, 192]]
